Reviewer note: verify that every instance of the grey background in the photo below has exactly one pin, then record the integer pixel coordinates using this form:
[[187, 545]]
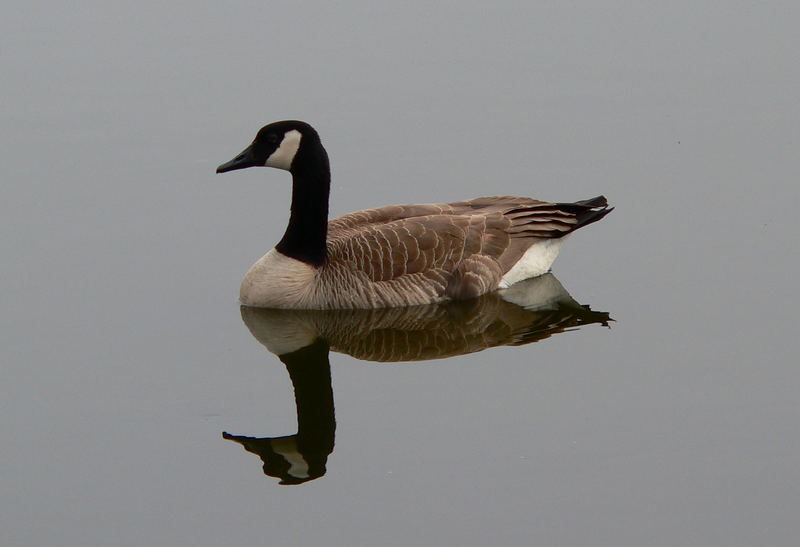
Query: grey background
[[124, 357]]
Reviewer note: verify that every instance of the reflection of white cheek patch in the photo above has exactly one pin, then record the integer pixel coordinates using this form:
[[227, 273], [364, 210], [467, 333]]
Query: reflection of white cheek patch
[[283, 156]]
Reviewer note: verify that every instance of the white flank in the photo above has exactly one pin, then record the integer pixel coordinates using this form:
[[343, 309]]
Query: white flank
[[536, 261], [283, 156]]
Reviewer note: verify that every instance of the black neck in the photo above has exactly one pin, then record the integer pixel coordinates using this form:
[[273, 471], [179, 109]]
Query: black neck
[[305, 237], [310, 371]]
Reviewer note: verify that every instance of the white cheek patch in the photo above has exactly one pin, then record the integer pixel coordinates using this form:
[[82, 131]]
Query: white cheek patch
[[282, 157]]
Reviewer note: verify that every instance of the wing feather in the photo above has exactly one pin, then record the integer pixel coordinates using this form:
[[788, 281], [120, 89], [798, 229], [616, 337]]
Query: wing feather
[[457, 250]]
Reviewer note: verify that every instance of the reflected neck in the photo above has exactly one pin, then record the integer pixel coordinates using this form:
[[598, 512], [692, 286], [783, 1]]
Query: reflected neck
[[310, 371], [306, 234]]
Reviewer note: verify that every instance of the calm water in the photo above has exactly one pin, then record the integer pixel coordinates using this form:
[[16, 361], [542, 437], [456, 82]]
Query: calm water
[[125, 355]]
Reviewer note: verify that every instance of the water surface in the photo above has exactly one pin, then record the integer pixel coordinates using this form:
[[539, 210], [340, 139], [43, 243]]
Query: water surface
[[124, 354]]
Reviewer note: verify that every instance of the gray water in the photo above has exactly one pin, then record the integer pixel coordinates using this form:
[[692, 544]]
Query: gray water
[[125, 357]]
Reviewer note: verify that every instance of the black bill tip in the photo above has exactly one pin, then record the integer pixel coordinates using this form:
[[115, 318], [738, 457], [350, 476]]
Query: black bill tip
[[242, 161]]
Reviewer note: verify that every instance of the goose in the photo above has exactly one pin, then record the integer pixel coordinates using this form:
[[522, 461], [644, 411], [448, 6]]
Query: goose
[[530, 311], [400, 255]]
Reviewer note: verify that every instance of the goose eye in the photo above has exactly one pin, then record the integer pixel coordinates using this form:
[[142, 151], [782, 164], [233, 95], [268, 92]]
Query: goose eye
[[272, 138]]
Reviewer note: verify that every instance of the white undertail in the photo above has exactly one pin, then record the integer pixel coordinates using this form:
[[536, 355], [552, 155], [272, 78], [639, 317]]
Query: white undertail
[[536, 261]]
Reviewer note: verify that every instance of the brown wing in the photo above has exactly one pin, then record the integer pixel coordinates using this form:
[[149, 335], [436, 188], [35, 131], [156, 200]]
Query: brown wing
[[459, 250], [386, 251], [391, 213]]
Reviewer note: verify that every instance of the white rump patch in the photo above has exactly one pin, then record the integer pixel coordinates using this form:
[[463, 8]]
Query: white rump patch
[[536, 261], [283, 156]]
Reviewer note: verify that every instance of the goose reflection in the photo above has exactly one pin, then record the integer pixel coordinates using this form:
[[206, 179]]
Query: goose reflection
[[527, 312]]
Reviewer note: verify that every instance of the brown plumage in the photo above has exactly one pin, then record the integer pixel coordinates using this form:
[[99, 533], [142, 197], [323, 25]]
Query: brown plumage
[[418, 254], [397, 255]]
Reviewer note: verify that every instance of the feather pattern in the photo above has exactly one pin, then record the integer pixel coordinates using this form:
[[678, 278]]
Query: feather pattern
[[533, 310], [419, 254], [399, 255]]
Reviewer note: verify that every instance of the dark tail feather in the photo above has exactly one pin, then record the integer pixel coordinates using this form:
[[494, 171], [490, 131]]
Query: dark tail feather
[[587, 210], [599, 201]]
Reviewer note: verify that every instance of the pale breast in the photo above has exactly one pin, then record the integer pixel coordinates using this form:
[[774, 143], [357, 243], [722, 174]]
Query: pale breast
[[277, 281]]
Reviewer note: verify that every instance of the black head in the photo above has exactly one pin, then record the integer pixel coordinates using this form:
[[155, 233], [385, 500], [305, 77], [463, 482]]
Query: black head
[[276, 145]]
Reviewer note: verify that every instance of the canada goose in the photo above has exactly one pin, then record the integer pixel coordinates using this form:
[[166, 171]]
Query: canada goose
[[398, 255], [530, 311]]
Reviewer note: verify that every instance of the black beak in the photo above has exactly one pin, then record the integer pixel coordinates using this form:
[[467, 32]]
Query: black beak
[[242, 161]]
